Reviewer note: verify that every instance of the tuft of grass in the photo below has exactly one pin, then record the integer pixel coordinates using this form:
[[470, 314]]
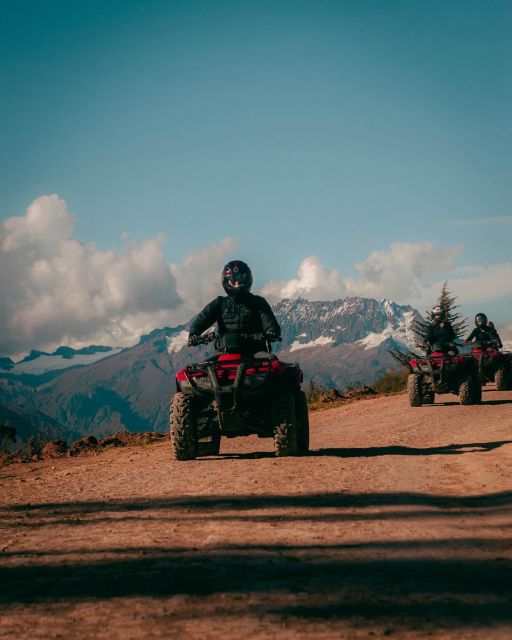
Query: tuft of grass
[[392, 382]]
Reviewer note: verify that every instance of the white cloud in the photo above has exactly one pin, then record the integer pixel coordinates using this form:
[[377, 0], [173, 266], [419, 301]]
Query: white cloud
[[57, 290], [482, 284], [314, 282], [198, 274], [404, 273]]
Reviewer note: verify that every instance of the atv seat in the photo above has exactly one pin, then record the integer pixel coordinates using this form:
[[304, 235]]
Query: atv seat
[[259, 355]]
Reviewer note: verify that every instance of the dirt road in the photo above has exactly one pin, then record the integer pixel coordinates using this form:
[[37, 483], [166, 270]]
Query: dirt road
[[398, 524]]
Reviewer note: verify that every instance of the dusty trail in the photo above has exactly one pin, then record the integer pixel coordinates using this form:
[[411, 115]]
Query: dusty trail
[[399, 524]]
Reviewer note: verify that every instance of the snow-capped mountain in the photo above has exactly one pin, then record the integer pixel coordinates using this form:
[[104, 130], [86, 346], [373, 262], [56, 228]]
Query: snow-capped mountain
[[37, 363], [308, 324]]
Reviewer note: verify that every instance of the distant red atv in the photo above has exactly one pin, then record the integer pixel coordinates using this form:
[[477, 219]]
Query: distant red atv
[[494, 366], [231, 395], [440, 372]]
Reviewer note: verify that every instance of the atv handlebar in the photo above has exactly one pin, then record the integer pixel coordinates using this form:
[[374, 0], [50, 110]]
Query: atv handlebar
[[206, 338], [494, 344]]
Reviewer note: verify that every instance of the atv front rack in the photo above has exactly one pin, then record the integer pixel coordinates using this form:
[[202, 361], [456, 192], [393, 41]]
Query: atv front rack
[[446, 362], [228, 396]]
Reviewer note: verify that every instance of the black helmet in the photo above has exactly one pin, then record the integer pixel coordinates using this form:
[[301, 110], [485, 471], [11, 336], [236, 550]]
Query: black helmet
[[236, 278], [480, 320], [438, 314]]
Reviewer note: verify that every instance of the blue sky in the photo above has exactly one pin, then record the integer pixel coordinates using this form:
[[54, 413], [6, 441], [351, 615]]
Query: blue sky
[[328, 129]]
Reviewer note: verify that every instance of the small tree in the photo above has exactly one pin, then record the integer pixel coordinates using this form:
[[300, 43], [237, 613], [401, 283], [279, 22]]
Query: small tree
[[447, 303], [420, 327]]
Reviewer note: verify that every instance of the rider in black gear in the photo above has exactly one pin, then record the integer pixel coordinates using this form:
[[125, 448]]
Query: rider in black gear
[[242, 318], [495, 334], [484, 334], [440, 334]]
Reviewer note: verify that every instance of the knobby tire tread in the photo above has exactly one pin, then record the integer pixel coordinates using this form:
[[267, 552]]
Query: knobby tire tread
[[183, 427], [414, 390], [285, 424]]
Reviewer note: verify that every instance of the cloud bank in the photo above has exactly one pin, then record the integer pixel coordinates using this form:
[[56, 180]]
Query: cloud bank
[[403, 273], [56, 289], [409, 273]]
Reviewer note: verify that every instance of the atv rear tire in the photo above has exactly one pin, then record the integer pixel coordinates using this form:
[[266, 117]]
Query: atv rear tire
[[470, 391], [183, 426], [286, 441], [414, 390], [301, 407], [502, 379]]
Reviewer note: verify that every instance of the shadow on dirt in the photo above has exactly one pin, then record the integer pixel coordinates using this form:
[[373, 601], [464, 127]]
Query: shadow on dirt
[[398, 450], [320, 582], [465, 582], [254, 455], [215, 504], [371, 452], [455, 403]]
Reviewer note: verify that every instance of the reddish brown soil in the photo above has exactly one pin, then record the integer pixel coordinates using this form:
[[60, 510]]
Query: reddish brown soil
[[398, 524]]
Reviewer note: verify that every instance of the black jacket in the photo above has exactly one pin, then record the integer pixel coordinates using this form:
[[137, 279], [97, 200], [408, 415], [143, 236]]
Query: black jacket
[[439, 336], [484, 337], [245, 315]]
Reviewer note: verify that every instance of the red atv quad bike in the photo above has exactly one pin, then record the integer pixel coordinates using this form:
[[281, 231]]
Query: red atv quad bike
[[442, 372], [230, 395], [494, 366]]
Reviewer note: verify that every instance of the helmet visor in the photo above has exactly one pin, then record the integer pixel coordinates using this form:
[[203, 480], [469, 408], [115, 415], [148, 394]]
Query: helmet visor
[[236, 276]]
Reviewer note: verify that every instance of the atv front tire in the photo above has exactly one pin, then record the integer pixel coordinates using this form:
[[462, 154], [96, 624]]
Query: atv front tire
[[286, 441], [502, 379], [301, 408], [183, 426], [470, 391], [414, 390]]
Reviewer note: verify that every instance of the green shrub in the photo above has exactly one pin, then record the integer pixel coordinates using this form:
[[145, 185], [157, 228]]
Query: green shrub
[[314, 391], [392, 382]]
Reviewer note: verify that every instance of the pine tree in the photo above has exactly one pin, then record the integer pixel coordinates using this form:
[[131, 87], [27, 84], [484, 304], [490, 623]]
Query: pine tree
[[420, 327], [456, 319]]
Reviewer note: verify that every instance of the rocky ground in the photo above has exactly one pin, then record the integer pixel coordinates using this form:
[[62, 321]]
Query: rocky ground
[[397, 524]]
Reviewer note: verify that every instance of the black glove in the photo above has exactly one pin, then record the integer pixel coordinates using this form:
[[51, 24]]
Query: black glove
[[193, 341]]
